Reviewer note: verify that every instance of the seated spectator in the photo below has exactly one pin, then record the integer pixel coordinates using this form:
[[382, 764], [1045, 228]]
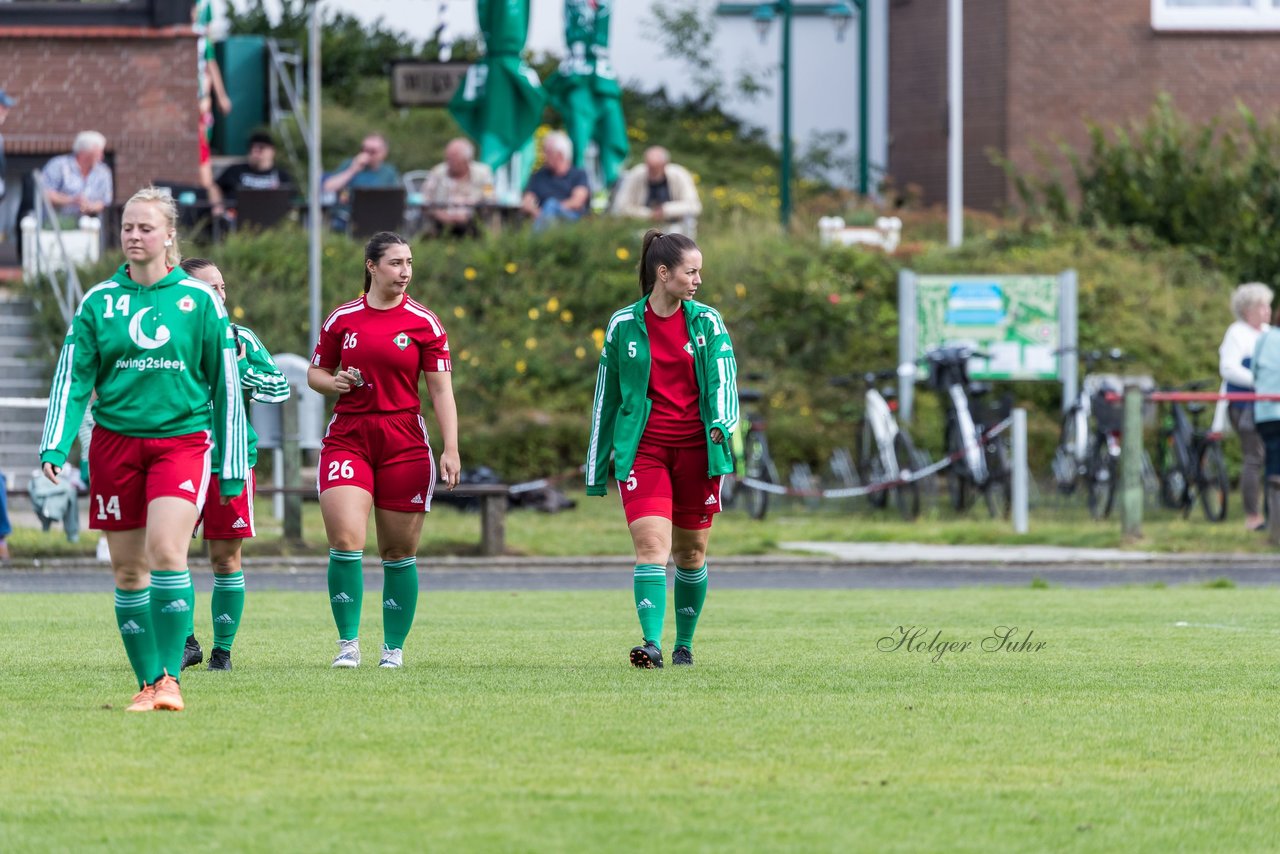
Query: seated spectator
[[258, 172], [79, 184], [660, 191], [559, 190], [369, 168], [454, 188]]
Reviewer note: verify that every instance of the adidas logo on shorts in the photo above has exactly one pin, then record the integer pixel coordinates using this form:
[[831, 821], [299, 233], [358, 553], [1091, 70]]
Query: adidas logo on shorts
[[129, 627], [644, 603], [342, 599], [177, 606], [187, 485], [417, 499], [711, 500], [239, 523], [392, 605]]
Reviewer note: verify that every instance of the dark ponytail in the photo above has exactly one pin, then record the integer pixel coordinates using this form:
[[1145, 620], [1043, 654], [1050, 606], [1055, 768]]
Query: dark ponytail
[[661, 250], [375, 249], [191, 265]]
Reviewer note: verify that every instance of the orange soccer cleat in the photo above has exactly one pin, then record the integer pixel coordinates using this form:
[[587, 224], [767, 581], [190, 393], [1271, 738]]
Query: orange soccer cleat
[[168, 696], [144, 700]]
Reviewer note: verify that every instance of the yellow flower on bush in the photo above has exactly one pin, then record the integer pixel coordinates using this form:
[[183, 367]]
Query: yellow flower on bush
[[553, 304], [580, 352], [533, 314], [469, 274], [719, 193], [329, 252], [521, 366], [805, 411], [622, 253], [238, 312], [741, 290], [566, 316], [511, 267], [459, 312], [531, 343], [697, 179], [506, 344], [597, 335]]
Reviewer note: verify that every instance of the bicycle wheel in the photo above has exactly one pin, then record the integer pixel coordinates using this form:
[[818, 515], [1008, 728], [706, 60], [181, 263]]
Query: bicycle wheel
[[1173, 480], [1100, 475], [959, 481], [872, 468], [1064, 466], [759, 466], [1212, 482], [997, 492], [906, 494]]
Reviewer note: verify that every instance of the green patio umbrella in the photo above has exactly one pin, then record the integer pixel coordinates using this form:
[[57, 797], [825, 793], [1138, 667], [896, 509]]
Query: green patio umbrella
[[499, 103], [584, 90]]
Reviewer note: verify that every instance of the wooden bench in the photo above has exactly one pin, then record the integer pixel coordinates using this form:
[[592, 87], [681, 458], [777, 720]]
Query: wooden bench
[[493, 498]]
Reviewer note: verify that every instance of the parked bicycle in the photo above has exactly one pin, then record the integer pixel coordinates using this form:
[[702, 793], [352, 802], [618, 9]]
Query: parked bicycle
[[751, 458], [1088, 449], [979, 464], [1190, 461], [885, 453]]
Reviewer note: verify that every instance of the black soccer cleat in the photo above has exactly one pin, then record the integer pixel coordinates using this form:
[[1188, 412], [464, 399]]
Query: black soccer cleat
[[680, 655], [192, 654], [219, 659], [646, 656]]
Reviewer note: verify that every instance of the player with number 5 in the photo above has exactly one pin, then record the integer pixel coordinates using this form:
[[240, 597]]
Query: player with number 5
[[376, 454], [157, 347]]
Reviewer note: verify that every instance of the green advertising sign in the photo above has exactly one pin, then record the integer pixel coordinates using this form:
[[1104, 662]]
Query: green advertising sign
[[1013, 319]]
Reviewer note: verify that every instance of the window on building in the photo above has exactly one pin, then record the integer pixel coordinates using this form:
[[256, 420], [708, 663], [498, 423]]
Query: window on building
[[1221, 15]]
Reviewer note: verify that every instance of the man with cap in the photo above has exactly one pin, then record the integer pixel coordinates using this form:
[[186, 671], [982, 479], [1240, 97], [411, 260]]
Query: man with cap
[[259, 172]]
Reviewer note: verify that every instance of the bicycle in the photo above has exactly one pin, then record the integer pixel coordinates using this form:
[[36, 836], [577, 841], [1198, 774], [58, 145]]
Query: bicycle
[[751, 458], [1190, 461], [978, 464], [1089, 445], [886, 453]]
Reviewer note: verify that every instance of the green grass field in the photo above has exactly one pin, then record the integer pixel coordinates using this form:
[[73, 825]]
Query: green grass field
[[517, 726]]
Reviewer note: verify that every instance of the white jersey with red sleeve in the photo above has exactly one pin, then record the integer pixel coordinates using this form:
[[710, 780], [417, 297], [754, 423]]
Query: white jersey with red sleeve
[[388, 348]]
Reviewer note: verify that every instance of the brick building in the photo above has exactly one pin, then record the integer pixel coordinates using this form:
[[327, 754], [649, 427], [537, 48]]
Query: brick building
[[127, 70], [1036, 70]]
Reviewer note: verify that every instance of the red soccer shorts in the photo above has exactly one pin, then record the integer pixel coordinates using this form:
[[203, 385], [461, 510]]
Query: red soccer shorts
[[126, 473], [388, 456], [672, 483], [233, 520]]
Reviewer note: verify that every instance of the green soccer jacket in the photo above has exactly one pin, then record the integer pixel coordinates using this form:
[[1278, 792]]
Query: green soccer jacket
[[157, 356], [621, 405], [260, 380]]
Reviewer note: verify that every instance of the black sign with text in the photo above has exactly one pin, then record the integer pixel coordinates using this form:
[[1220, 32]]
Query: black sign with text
[[415, 83]]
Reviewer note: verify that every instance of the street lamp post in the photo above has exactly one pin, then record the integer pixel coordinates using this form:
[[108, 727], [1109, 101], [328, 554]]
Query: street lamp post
[[763, 14]]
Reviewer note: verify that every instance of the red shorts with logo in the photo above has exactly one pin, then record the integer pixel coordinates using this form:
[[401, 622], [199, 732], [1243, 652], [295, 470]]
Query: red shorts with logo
[[126, 473], [233, 520], [672, 483], [386, 455]]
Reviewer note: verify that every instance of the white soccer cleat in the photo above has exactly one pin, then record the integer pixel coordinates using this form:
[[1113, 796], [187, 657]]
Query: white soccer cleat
[[391, 657], [348, 653]]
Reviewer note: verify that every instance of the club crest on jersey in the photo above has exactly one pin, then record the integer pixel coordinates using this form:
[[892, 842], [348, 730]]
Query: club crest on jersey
[[688, 348], [187, 303], [702, 340], [401, 340]]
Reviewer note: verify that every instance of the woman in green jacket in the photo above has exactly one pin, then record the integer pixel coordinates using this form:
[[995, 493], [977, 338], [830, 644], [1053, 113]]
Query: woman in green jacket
[[665, 407]]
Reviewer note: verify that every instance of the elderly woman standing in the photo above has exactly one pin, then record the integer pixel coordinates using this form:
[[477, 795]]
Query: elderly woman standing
[[1251, 304]]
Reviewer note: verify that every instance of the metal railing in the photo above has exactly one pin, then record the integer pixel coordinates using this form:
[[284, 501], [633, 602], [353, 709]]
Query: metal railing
[[66, 290]]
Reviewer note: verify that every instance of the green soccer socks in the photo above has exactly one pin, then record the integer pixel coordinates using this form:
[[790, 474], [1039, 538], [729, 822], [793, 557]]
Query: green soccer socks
[[171, 597], [399, 600], [691, 592], [650, 587], [346, 591], [227, 607], [133, 615]]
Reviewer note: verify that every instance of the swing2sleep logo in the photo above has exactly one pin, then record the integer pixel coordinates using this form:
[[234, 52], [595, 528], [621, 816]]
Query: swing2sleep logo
[[934, 644]]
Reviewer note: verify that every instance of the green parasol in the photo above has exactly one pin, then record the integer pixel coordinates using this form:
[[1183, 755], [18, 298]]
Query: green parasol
[[584, 90]]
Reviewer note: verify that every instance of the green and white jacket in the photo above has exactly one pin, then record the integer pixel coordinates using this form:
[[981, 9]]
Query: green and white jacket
[[621, 405], [260, 380], [157, 356]]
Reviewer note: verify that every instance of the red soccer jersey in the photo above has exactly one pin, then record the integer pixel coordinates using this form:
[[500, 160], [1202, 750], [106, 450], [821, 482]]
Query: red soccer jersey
[[674, 420], [389, 347]]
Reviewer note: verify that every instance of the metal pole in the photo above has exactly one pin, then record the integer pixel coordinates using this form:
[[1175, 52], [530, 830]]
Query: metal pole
[[1131, 465], [1019, 471], [955, 139], [907, 366], [1068, 337], [292, 475], [864, 97], [315, 226], [784, 207]]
